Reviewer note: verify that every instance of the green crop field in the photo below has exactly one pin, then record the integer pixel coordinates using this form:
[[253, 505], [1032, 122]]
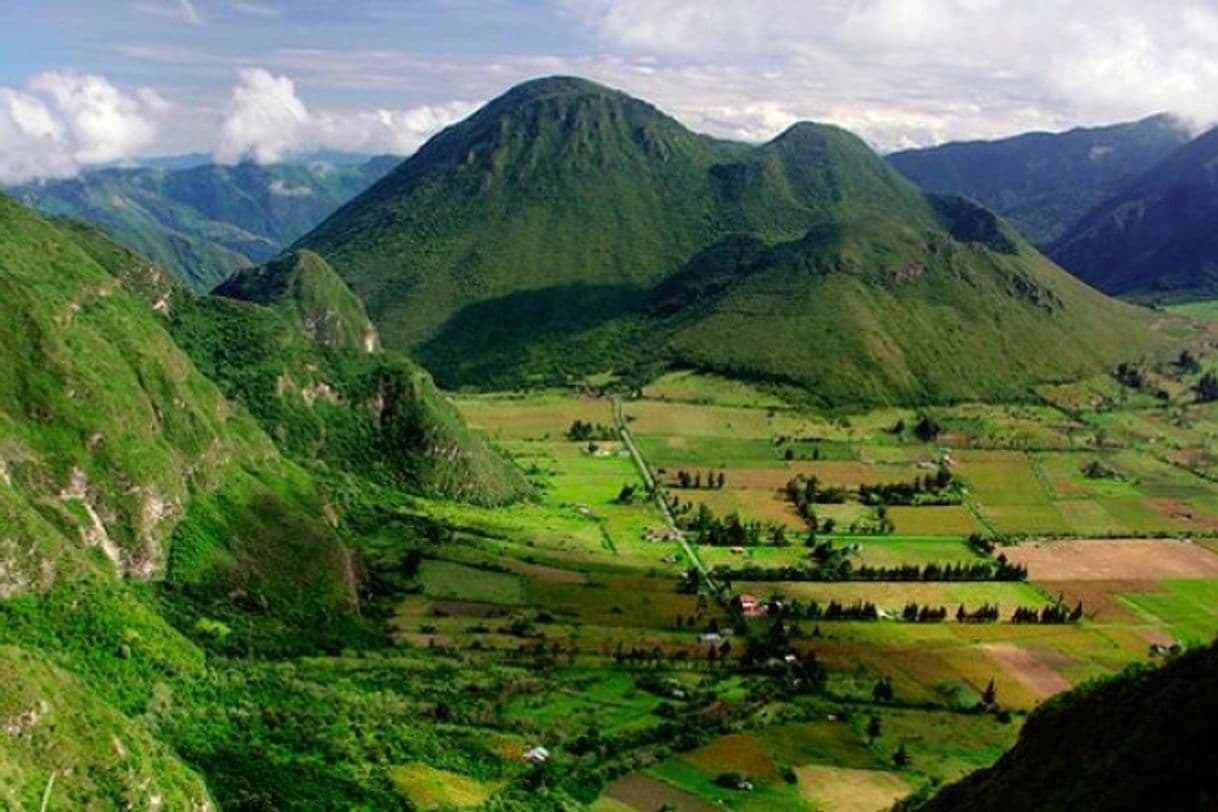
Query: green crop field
[[1023, 472]]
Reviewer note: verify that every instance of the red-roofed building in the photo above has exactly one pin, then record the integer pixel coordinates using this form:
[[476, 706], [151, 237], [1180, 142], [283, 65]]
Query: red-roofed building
[[751, 606]]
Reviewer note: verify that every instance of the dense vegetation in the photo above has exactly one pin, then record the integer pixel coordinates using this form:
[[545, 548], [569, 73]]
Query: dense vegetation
[[1142, 740], [153, 533], [307, 363], [567, 228], [204, 222], [1043, 182]]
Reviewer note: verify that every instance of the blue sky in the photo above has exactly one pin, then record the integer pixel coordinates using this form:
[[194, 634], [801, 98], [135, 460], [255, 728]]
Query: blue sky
[[111, 80]]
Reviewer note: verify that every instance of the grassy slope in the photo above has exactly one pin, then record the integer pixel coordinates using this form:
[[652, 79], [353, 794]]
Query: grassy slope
[[125, 706], [114, 441], [306, 362], [853, 314], [55, 724], [205, 222], [560, 230], [1142, 740]]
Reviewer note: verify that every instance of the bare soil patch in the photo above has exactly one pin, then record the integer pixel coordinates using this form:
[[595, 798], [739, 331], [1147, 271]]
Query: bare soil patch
[[647, 794], [1028, 668], [735, 752], [1101, 599], [1182, 512], [1114, 560], [544, 572]]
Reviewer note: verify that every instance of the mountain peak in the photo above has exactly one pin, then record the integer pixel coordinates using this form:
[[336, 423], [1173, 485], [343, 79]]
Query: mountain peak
[[304, 284], [558, 85]]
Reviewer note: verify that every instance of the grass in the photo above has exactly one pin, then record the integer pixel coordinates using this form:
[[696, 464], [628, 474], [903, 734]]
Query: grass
[[690, 386], [1187, 609], [428, 788], [1204, 310], [445, 579], [849, 790]]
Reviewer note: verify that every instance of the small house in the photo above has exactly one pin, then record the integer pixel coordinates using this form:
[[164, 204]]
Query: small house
[[751, 606], [538, 755]]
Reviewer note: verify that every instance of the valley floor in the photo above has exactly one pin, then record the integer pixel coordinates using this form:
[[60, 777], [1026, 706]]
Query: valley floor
[[1106, 494]]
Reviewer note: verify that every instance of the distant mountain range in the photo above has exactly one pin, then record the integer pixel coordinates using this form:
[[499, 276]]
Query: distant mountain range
[[1131, 209], [1044, 182], [203, 222], [568, 228], [1157, 237]]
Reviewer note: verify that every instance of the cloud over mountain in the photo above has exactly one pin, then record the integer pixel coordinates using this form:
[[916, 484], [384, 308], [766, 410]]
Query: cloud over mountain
[[59, 122], [267, 121]]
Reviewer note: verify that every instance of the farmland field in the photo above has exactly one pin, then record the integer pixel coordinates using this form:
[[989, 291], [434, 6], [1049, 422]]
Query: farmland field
[[1111, 511]]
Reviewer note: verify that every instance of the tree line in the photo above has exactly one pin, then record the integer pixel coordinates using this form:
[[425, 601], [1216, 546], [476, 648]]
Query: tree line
[[714, 480], [837, 568], [1054, 614], [581, 431]]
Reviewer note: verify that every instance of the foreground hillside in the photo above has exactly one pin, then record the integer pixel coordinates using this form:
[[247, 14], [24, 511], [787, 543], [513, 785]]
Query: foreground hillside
[[1142, 740], [204, 222], [121, 462], [1044, 182], [1156, 236], [567, 228], [155, 523]]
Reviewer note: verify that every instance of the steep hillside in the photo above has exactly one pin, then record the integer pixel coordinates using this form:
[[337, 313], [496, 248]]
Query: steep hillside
[[204, 222], [568, 228], [53, 724], [123, 467], [115, 445], [153, 535], [290, 342], [867, 309], [1043, 182], [1142, 740], [1158, 236], [306, 289]]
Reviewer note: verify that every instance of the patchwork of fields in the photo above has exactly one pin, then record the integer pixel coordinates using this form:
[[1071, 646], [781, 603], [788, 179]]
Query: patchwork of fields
[[1106, 500]]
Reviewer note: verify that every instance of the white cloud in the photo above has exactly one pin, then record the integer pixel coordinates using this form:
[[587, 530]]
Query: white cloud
[[256, 9], [183, 10], [913, 71], [267, 122], [278, 187], [103, 123], [60, 122]]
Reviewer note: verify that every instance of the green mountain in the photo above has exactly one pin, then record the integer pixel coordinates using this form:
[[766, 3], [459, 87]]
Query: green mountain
[[1157, 236], [204, 222], [183, 480], [1043, 182], [1141, 740], [568, 228], [111, 434], [290, 342], [121, 463]]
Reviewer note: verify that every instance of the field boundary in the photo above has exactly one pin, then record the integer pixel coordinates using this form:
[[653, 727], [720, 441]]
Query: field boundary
[[658, 494]]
